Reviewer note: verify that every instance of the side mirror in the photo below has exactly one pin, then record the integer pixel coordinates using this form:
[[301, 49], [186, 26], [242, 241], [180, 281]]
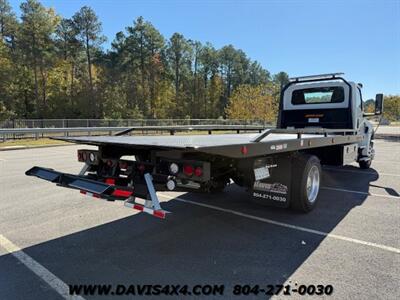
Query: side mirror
[[378, 104]]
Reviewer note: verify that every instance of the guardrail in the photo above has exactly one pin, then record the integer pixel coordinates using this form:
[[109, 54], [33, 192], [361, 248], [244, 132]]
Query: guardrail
[[14, 133], [67, 123]]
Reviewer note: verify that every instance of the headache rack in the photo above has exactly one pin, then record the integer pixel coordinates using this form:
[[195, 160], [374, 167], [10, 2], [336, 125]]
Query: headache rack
[[327, 76], [300, 131]]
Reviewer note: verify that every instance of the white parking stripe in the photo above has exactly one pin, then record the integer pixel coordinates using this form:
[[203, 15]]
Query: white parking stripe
[[359, 172], [385, 162], [358, 192], [52, 280], [286, 225]]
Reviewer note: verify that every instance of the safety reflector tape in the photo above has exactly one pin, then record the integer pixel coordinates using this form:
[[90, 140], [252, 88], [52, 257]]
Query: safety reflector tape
[[110, 181], [90, 194], [122, 193], [157, 213]]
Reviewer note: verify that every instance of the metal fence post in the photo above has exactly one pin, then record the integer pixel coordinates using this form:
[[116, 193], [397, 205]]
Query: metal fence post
[[13, 127], [41, 124]]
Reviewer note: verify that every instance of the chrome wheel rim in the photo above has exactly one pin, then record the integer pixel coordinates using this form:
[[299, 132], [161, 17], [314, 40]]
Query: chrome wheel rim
[[312, 184]]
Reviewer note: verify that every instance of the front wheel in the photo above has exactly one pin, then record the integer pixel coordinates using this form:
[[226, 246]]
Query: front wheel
[[366, 164], [306, 183]]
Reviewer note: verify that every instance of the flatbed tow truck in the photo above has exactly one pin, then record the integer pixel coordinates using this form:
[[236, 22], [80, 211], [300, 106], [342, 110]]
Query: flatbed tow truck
[[320, 121]]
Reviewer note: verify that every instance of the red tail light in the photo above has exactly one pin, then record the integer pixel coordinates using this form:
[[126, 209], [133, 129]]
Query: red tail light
[[244, 150], [198, 171], [110, 181], [80, 157], [188, 170]]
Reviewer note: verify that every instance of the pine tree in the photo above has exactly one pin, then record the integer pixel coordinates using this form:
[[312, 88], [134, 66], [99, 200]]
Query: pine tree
[[89, 30]]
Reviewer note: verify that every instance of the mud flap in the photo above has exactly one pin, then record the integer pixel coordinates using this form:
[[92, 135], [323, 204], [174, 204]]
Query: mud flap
[[275, 189]]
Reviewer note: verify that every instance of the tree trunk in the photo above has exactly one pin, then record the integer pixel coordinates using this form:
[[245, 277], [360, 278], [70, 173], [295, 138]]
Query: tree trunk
[[194, 113], [205, 78], [44, 94], [2, 28], [92, 104], [71, 92], [26, 103], [152, 85], [142, 76], [35, 75], [229, 81], [131, 99], [177, 60]]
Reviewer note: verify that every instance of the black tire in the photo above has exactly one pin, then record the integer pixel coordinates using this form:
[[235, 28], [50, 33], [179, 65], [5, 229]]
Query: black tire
[[216, 186], [365, 164], [301, 168], [140, 158]]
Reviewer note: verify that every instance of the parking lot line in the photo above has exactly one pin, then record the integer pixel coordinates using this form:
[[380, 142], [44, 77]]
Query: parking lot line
[[358, 192], [385, 161], [286, 225], [52, 280], [359, 172]]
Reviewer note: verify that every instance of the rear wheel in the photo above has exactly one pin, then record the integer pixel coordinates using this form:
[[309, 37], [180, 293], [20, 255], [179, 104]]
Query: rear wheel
[[306, 183], [140, 158], [216, 186], [365, 164]]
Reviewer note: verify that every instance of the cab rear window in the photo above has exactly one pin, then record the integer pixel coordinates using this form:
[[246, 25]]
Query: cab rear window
[[318, 95]]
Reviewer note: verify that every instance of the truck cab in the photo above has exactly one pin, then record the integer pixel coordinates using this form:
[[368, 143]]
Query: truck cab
[[327, 101]]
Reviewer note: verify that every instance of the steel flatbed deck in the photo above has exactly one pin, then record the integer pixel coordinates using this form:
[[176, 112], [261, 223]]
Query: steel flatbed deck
[[230, 145], [319, 123]]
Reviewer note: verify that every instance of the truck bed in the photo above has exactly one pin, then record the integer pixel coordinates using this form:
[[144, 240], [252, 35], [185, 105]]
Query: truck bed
[[221, 144], [178, 141]]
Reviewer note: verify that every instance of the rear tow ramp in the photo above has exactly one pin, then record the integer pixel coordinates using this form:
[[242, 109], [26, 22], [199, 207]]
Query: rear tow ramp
[[105, 190]]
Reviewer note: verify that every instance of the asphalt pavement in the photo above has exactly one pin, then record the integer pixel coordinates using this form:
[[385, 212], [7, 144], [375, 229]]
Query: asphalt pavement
[[51, 236]]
